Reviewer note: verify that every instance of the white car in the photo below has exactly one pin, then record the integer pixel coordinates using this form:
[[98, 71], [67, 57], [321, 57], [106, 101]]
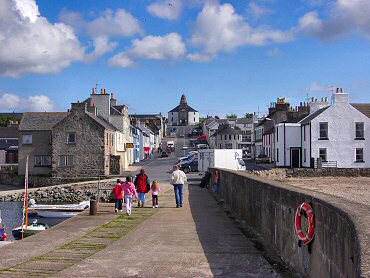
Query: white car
[[184, 147]]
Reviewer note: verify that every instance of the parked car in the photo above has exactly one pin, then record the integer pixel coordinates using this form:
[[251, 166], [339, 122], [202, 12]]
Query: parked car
[[262, 158], [189, 166], [202, 146], [164, 154], [184, 147]]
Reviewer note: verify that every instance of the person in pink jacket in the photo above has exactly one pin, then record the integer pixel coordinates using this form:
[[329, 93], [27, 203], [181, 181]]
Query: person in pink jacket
[[129, 191]]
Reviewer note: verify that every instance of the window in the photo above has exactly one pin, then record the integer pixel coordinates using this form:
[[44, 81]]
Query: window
[[359, 130], [107, 139], [194, 119], [220, 146], [112, 140], [277, 134], [42, 160], [304, 134], [50, 139], [66, 160], [229, 137], [322, 154], [304, 155], [359, 155], [27, 139], [277, 154], [225, 137], [324, 131], [71, 139], [234, 137]]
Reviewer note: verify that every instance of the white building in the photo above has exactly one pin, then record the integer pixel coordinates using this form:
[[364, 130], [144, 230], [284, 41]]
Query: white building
[[183, 114], [339, 134]]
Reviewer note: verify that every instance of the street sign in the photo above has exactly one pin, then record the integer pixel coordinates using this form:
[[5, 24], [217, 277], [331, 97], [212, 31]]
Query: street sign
[[130, 145]]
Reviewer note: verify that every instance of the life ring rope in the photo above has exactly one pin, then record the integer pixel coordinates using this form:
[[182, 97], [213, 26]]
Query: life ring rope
[[308, 237]]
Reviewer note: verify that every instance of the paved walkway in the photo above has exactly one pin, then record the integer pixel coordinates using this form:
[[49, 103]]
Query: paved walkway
[[198, 240]]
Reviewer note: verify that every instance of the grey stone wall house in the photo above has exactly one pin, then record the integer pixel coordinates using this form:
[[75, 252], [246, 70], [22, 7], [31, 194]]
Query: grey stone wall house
[[35, 133], [228, 138], [82, 144]]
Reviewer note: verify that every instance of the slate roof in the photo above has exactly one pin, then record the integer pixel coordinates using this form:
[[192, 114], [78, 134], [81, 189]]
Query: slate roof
[[364, 108], [187, 107], [312, 116], [9, 131], [226, 129], [241, 121], [41, 120], [102, 122]]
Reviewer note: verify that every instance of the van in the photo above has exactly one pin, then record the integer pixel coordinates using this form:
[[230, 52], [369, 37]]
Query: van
[[170, 144]]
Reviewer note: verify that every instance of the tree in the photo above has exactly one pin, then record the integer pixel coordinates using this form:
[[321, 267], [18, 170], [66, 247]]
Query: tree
[[231, 116], [249, 115], [236, 128]]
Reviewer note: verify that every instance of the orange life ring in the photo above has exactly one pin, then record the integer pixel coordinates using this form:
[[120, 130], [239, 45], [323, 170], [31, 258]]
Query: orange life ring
[[305, 238]]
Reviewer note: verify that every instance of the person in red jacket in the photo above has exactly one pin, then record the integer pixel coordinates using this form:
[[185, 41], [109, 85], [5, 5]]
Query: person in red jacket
[[118, 194], [142, 184]]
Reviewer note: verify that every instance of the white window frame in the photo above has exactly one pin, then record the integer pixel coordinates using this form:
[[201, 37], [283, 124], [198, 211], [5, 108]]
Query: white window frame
[[362, 130], [44, 161], [359, 155], [67, 161]]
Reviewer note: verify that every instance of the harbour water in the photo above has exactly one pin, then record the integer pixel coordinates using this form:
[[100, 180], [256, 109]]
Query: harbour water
[[11, 214]]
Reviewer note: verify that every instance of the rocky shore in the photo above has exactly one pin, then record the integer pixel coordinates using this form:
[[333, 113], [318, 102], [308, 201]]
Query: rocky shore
[[67, 193]]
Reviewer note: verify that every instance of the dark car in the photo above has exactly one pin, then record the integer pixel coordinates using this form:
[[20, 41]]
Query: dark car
[[189, 166], [164, 154], [262, 158]]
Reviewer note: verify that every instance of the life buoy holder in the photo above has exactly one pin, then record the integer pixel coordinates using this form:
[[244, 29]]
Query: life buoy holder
[[310, 233]]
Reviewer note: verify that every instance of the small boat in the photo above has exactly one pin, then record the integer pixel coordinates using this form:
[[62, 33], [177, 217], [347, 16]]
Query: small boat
[[57, 211], [26, 231]]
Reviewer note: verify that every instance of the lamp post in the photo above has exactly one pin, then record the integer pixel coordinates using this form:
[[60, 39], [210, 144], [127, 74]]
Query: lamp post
[[272, 145]]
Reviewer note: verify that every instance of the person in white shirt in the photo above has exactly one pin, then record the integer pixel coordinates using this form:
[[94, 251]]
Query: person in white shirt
[[178, 179]]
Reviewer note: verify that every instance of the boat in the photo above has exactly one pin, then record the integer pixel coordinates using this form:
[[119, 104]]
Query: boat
[[28, 230], [25, 229], [57, 211]]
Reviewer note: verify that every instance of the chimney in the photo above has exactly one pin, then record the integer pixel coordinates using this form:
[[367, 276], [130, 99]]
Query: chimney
[[113, 101], [340, 97], [93, 91]]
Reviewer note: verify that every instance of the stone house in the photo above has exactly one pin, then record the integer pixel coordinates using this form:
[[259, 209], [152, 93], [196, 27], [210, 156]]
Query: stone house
[[228, 138], [85, 145], [35, 141], [9, 144]]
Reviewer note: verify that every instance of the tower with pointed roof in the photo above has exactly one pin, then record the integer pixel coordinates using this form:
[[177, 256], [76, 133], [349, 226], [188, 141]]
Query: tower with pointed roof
[[183, 114]]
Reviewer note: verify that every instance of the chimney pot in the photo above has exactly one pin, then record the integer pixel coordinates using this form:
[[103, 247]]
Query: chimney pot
[[78, 101], [312, 99]]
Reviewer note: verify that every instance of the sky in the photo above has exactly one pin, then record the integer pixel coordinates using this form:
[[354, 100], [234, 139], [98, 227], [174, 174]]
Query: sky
[[225, 56]]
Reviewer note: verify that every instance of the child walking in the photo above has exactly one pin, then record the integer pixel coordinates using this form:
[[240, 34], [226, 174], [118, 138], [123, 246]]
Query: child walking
[[155, 188], [129, 191], [118, 194]]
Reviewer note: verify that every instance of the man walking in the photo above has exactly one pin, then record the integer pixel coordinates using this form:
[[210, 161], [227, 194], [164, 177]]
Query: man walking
[[178, 180], [142, 185]]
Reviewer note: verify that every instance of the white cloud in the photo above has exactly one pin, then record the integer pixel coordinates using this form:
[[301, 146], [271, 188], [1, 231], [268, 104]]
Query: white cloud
[[170, 10], [199, 57], [102, 45], [219, 28], [257, 10], [119, 23], [170, 46], [346, 16], [12, 102], [35, 45]]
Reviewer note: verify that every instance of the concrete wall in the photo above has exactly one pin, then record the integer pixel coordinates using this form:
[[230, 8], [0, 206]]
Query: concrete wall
[[269, 209]]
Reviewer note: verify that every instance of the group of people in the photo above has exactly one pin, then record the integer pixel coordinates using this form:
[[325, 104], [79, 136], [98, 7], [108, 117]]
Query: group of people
[[129, 191]]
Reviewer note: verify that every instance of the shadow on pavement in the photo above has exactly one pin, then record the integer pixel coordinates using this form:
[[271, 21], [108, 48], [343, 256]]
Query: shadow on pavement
[[228, 251]]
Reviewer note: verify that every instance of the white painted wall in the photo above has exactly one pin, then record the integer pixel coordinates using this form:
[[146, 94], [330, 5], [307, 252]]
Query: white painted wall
[[193, 118], [291, 133], [306, 146], [2, 156], [173, 118], [341, 146]]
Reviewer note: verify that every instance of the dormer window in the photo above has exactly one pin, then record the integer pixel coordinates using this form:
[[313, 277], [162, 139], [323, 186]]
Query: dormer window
[[71, 138]]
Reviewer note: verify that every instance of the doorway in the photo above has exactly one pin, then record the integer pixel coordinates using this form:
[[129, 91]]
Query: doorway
[[295, 157]]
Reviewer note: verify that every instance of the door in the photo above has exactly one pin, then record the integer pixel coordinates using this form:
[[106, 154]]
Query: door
[[295, 158]]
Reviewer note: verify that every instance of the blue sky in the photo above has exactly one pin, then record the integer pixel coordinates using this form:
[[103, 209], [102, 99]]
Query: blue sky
[[226, 56]]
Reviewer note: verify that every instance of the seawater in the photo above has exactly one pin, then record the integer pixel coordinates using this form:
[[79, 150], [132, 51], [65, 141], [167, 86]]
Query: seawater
[[11, 215]]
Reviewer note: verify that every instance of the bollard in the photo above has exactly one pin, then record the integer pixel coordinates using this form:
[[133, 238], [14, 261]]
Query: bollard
[[93, 207]]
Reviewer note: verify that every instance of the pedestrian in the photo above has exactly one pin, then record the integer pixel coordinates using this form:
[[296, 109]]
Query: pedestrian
[[118, 195], [142, 186], [155, 188], [129, 191], [217, 183], [178, 179]]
